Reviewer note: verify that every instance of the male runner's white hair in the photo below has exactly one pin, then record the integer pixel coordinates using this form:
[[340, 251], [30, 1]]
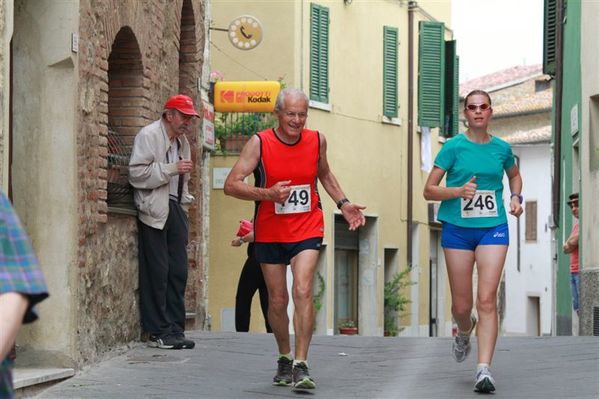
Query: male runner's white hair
[[290, 91]]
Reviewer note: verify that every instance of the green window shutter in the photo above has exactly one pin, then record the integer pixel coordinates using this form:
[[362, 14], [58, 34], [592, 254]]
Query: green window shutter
[[431, 73], [319, 53], [452, 83], [390, 53], [549, 37]]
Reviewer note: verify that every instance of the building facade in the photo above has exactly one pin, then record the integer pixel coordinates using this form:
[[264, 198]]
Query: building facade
[[589, 166], [359, 64]]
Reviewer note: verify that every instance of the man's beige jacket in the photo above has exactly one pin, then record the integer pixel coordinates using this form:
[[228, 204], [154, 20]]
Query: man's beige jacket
[[150, 173]]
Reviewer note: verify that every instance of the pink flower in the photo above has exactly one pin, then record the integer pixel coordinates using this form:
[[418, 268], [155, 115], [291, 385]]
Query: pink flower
[[215, 76]]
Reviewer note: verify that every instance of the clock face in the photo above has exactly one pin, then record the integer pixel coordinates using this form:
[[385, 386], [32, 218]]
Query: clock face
[[245, 32]]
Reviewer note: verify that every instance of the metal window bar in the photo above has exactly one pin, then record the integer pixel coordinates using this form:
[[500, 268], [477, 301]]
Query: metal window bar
[[120, 192]]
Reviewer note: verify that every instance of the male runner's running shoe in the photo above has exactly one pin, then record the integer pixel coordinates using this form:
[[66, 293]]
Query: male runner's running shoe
[[461, 344], [301, 377], [284, 375], [484, 382]]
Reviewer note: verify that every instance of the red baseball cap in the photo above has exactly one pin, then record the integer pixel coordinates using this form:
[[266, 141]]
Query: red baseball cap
[[181, 103]]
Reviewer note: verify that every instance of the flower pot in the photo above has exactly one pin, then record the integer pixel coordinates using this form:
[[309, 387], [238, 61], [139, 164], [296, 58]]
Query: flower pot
[[348, 330]]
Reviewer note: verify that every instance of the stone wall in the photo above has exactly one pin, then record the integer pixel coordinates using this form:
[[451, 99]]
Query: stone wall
[[126, 92]]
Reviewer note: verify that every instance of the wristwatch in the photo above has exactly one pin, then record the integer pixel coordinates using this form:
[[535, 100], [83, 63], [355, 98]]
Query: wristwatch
[[520, 197], [341, 202], [241, 240]]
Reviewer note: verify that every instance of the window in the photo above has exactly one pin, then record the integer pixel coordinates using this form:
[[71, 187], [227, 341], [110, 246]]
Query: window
[[550, 37], [319, 53], [438, 79], [531, 221], [390, 52], [431, 74]]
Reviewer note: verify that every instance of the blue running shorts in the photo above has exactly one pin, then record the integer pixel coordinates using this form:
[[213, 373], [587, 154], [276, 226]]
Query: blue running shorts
[[468, 238]]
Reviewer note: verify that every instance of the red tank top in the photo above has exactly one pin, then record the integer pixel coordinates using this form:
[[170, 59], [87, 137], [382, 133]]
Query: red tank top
[[301, 216]]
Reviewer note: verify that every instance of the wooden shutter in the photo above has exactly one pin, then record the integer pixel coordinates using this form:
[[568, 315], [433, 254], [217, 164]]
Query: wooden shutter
[[431, 73], [531, 221], [452, 84], [550, 37], [319, 53], [390, 62]]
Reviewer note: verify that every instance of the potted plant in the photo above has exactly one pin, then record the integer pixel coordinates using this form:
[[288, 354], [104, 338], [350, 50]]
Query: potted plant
[[233, 130], [348, 328], [395, 301]]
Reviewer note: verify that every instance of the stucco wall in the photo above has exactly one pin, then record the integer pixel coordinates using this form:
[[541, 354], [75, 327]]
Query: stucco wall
[[44, 166], [502, 127]]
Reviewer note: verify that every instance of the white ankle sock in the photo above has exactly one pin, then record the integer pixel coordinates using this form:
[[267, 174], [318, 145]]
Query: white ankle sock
[[296, 362]]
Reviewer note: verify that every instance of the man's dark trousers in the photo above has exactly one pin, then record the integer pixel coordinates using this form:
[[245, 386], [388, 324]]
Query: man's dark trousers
[[163, 274]]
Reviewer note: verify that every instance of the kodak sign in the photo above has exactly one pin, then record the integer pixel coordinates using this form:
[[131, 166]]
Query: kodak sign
[[257, 96]]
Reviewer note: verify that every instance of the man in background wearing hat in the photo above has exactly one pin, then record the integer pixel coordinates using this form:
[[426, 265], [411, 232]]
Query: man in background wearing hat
[[571, 247], [159, 171]]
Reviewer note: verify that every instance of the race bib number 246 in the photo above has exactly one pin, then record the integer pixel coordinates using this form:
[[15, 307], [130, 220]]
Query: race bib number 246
[[482, 205]]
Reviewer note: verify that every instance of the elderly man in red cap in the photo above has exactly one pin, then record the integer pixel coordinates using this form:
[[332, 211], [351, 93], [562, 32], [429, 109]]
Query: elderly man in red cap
[[159, 171]]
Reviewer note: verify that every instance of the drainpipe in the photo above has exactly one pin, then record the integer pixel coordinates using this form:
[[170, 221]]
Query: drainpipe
[[559, 88], [412, 7]]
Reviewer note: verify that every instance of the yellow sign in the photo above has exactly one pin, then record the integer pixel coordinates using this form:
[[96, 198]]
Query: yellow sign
[[257, 96]]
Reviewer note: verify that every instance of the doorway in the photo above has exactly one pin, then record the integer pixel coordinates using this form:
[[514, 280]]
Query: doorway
[[533, 319]]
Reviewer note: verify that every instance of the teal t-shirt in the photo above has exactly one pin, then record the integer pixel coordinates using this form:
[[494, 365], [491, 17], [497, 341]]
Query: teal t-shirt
[[462, 159]]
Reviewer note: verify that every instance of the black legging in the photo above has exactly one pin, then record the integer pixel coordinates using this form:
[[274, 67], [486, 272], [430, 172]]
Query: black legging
[[250, 280]]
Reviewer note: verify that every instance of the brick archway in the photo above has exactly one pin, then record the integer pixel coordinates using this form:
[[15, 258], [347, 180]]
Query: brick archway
[[127, 114], [188, 54]]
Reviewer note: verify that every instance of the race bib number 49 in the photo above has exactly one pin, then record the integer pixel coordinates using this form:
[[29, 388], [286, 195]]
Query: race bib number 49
[[482, 205], [299, 201]]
